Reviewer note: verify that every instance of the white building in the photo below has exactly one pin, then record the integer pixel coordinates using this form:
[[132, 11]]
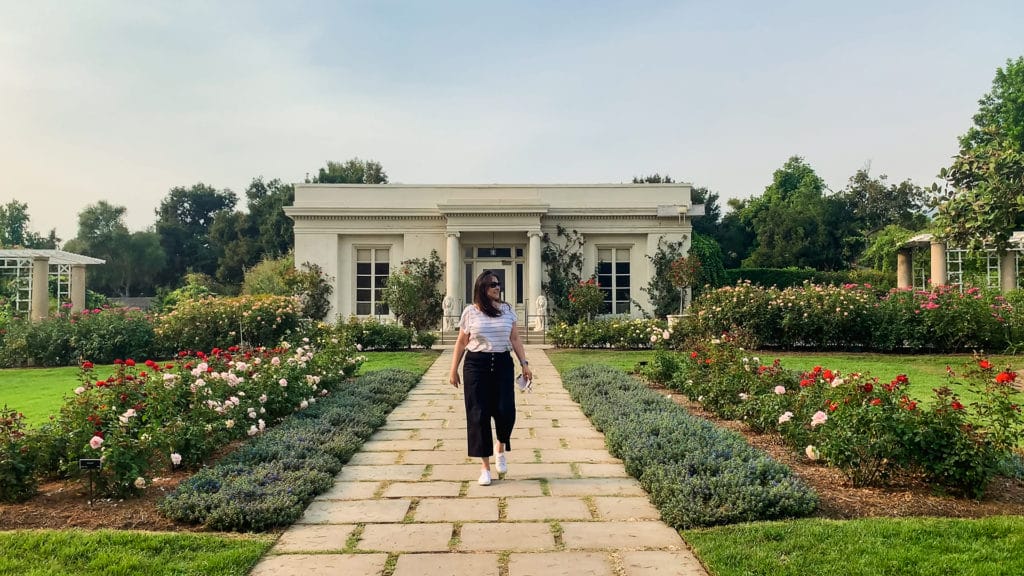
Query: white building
[[360, 233]]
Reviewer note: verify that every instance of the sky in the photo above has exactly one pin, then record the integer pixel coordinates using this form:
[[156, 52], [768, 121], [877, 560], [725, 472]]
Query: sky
[[123, 100]]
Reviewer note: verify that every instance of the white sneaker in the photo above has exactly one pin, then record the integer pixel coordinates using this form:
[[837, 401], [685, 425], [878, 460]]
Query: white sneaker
[[501, 462], [485, 478]]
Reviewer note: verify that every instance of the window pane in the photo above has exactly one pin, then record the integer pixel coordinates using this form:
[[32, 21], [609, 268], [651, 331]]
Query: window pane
[[377, 295], [604, 267], [519, 252], [604, 255], [363, 268], [382, 281], [469, 283], [622, 255], [622, 267], [363, 255], [382, 255], [383, 309], [519, 283], [381, 268], [363, 308], [363, 295], [622, 294], [604, 281], [622, 281], [362, 281], [468, 252]]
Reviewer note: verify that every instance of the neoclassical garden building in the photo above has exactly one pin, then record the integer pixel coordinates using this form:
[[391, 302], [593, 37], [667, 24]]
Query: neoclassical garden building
[[359, 234]]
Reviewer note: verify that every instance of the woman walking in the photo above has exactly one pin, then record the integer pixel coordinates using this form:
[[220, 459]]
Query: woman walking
[[487, 335]]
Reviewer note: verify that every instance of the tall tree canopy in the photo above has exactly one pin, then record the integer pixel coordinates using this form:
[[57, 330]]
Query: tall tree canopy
[[133, 259], [14, 230], [983, 200], [184, 219], [796, 224], [241, 240], [354, 171]]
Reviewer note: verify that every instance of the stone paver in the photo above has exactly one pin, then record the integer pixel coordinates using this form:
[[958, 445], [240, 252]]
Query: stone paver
[[611, 535], [320, 564], [351, 511], [560, 564], [566, 506], [314, 538], [457, 510], [625, 508], [506, 536], [547, 508], [408, 489], [655, 563], [443, 564], [406, 537], [350, 491]]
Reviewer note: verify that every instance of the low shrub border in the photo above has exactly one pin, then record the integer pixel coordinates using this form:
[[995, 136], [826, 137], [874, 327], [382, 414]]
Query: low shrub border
[[697, 474], [269, 482]]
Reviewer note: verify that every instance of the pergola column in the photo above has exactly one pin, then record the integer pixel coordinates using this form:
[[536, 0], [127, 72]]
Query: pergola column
[[939, 277], [77, 287], [534, 272], [904, 269], [40, 287], [1008, 271]]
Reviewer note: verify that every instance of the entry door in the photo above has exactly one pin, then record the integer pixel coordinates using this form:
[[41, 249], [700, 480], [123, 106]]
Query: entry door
[[505, 276]]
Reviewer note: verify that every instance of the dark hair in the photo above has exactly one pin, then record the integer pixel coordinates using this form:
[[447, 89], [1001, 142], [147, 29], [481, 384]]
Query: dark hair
[[480, 297]]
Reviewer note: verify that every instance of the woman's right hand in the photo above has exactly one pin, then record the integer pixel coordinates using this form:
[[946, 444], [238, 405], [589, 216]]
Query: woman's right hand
[[453, 379]]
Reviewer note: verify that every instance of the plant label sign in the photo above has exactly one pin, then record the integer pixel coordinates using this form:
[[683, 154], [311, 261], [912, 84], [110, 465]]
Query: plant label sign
[[88, 463]]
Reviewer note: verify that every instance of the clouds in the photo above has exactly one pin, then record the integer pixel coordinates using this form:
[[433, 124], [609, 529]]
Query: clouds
[[122, 101]]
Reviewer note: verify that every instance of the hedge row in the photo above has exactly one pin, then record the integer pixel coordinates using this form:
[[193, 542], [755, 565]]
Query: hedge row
[[696, 473], [787, 277], [270, 481]]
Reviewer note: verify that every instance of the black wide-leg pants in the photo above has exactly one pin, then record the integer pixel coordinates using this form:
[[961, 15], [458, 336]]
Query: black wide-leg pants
[[489, 392]]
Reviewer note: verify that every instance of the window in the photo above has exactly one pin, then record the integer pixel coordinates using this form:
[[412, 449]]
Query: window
[[372, 268], [613, 276]]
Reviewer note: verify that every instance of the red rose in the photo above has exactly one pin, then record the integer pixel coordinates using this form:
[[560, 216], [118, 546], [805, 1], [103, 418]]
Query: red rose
[[985, 365], [956, 405], [87, 365]]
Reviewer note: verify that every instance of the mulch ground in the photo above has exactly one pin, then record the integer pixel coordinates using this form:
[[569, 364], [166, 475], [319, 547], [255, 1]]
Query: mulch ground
[[66, 504]]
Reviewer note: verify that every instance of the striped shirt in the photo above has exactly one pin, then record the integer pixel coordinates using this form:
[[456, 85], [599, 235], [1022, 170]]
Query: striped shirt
[[488, 334]]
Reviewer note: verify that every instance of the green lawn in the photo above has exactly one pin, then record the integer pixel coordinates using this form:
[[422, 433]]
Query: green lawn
[[39, 392], [866, 547], [110, 552]]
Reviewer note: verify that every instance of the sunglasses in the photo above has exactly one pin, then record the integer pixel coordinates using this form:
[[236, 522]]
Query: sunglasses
[[494, 285]]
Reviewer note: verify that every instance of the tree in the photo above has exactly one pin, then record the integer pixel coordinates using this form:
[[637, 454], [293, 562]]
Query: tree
[[184, 219], [564, 262], [796, 224], [709, 222], [876, 204], [412, 292], [982, 201], [133, 260], [354, 171], [14, 231]]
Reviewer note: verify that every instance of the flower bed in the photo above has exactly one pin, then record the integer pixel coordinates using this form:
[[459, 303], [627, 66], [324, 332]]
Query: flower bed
[[150, 417], [869, 429], [696, 473], [856, 317]]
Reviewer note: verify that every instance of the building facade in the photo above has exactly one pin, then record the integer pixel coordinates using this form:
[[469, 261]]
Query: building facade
[[359, 234]]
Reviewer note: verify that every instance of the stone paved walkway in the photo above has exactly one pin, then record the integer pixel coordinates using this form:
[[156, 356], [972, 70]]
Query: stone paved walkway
[[408, 503]]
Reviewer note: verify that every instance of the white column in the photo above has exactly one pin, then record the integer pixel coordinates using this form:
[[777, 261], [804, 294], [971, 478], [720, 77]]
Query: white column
[[1008, 271], [40, 287], [904, 267], [534, 271], [77, 287], [453, 263], [939, 277]]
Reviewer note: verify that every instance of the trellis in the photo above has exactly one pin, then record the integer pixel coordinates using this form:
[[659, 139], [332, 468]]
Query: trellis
[[16, 273]]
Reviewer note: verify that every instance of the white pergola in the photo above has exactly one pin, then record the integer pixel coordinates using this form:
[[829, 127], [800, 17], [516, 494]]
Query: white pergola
[[30, 270], [947, 264]]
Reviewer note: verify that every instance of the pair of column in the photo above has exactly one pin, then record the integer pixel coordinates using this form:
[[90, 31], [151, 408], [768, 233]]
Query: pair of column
[[453, 267]]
